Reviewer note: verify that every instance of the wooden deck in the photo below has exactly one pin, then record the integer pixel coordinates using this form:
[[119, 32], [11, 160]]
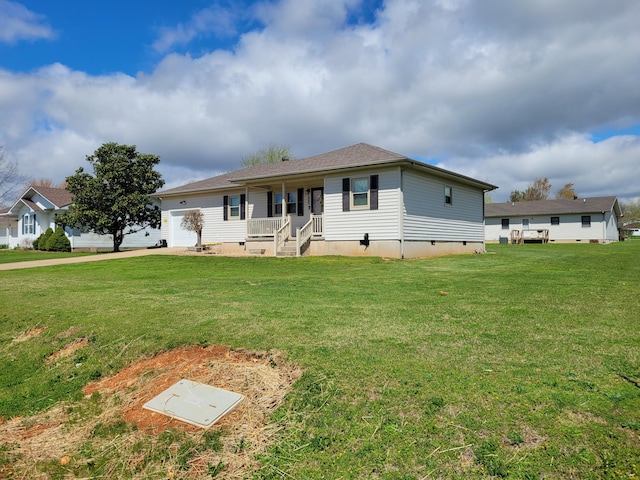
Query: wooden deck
[[530, 236]]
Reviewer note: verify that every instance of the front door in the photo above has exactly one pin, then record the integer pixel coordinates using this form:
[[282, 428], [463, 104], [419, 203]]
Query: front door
[[317, 203]]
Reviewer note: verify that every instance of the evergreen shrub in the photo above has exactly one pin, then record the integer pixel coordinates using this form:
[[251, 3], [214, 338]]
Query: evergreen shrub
[[58, 242], [41, 241]]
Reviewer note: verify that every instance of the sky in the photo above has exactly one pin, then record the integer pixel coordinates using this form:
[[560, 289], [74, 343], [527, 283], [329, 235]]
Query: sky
[[502, 91]]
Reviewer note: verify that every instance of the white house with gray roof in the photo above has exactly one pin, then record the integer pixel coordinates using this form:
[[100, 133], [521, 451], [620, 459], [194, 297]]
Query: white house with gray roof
[[589, 220], [358, 200]]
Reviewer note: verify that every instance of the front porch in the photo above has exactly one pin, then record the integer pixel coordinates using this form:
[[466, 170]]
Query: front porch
[[286, 240]]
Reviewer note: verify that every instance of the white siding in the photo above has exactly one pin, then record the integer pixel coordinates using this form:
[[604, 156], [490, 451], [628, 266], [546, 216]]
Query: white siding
[[381, 224], [493, 229], [428, 218], [142, 239], [8, 231], [215, 228], [603, 227]]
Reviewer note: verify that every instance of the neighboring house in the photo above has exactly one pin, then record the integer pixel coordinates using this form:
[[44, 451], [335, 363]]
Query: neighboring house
[[8, 228], [358, 200], [588, 220], [37, 209]]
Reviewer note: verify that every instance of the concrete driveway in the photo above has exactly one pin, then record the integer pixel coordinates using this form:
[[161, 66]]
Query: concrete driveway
[[93, 258]]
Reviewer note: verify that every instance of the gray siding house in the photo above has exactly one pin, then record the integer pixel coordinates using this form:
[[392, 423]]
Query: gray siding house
[[358, 200], [590, 220]]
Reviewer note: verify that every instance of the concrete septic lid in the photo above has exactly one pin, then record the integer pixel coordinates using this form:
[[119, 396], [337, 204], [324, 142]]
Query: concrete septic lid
[[195, 403]]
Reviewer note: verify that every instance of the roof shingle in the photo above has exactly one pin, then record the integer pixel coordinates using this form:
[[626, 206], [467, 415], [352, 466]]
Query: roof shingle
[[361, 154], [551, 207]]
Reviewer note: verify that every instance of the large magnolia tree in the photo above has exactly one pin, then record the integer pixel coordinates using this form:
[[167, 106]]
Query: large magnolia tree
[[115, 200]]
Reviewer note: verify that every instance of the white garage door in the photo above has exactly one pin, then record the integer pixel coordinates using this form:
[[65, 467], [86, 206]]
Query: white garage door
[[180, 237]]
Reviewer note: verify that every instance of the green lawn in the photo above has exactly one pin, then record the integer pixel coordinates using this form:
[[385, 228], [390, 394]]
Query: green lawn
[[522, 363], [11, 256]]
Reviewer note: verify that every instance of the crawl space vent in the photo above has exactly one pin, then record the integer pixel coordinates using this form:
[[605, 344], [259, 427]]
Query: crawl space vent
[[195, 403]]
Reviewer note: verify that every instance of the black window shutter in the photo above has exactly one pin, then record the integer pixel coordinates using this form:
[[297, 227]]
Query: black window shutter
[[373, 192], [346, 189], [225, 212], [300, 202], [243, 213], [269, 204]]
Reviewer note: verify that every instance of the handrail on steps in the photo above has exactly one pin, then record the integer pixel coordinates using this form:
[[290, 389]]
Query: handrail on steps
[[281, 235], [303, 234]]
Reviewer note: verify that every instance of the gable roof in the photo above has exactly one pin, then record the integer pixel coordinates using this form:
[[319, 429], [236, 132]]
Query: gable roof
[[560, 206], [354, 156], [58, 197]]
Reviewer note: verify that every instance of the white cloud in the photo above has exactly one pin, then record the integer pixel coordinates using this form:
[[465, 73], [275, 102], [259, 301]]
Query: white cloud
[[604, 168], [211, 21], [19, 23], [505, 93]]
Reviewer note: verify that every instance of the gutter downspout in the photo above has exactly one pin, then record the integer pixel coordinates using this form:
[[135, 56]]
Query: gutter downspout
[[401, 212], [484, 223], [246, 216]]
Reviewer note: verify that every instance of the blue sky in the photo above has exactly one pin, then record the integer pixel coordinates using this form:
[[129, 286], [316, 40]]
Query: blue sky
[[502, 91]]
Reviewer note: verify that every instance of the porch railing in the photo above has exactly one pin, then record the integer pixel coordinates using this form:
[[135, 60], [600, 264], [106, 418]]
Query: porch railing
[[318, 225], [261, 227], [281, 235], [264, 227]]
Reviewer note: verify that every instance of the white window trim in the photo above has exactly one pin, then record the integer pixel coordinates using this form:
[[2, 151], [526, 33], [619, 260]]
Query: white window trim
[[353, 194], [28, 224], [448, 203], [291, 207], [230, 208]]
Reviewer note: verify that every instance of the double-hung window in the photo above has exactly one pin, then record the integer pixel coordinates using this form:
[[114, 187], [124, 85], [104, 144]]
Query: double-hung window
[[234, 207], [505, 224], [586, 220], [448, 195], [291, 200], [360, 193], [29, 224], [294, 201], [555, 220]]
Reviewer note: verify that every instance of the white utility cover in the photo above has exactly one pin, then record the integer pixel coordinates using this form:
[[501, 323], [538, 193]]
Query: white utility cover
[[195, 403]]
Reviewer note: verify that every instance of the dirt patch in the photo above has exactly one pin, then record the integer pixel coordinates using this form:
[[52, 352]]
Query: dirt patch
[[264, 378], [32, 332], [68, 350]]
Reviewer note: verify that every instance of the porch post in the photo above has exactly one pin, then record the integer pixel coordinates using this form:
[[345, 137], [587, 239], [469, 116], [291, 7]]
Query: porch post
[[284, 201]]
